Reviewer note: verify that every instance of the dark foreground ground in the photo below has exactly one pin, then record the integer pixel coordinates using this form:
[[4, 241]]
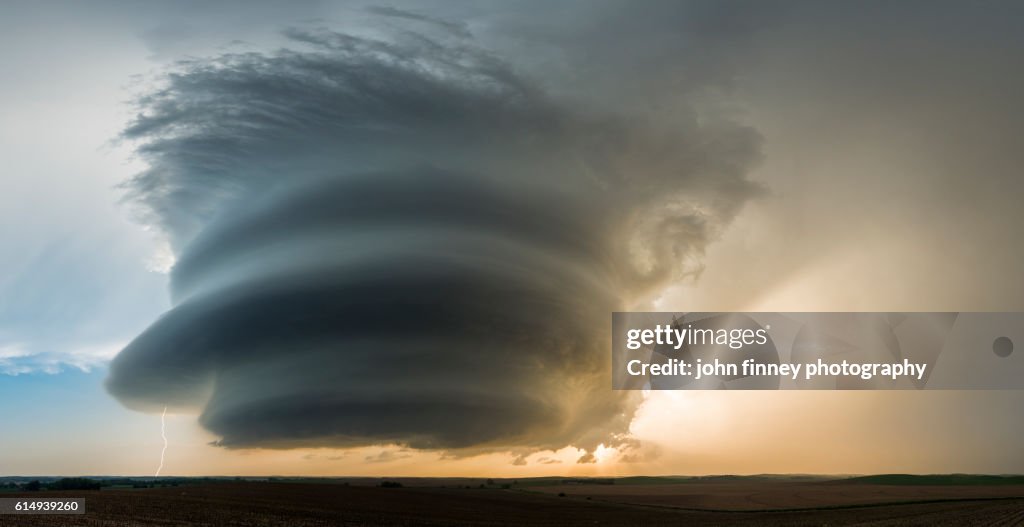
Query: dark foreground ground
[[323, 504]]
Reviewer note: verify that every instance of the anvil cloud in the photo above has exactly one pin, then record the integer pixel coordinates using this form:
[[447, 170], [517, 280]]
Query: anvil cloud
[[406, 241]]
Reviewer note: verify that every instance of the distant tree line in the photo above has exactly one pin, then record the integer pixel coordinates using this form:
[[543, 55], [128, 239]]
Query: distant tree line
[[96, 484], [589, 481], [60, 484]]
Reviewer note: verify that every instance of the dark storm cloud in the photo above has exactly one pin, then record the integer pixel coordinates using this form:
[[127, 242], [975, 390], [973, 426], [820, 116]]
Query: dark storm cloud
[[458, 29], [406, 242]]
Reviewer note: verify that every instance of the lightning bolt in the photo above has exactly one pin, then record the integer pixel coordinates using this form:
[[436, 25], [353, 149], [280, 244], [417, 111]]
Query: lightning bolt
[[163, 434]]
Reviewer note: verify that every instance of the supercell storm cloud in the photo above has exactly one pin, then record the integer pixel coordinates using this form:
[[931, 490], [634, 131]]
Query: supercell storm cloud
[[406, 241]]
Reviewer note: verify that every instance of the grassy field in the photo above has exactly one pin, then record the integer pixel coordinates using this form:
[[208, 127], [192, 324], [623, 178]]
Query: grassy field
[[734, 503]]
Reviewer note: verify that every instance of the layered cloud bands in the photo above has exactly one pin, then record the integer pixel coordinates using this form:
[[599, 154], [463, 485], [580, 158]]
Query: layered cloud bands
[[405, 242]]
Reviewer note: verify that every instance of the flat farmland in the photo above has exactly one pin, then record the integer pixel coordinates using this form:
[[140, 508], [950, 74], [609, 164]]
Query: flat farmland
[[324, 504], [761, 495]]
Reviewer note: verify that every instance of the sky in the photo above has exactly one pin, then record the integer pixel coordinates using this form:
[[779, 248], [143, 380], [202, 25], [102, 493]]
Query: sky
[[345, 238]]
